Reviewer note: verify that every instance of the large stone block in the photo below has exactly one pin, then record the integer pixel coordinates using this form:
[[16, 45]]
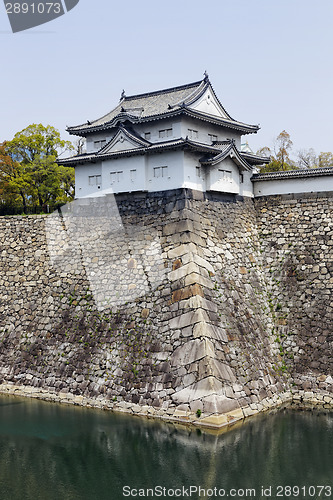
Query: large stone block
[[194, 257], [210, 366], [182, 250], [183, 271], [187, 319], [192, 351], [178, 227], [199, 390], [181, 294], [219, 404], [198, 278], [204, 329]]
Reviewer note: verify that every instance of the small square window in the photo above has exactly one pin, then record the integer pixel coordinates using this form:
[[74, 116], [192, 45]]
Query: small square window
[[116, 177], [192, 134], [212, 137], [166, 132], [225, 175], [95, 180], [147, 136], [161, 171]]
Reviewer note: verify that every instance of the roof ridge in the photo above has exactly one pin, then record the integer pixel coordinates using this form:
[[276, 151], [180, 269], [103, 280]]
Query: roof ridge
[[163, 91], [193, 96]]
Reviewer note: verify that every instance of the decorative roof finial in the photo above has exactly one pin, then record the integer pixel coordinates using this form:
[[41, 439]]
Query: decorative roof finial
[[206, 75], [123, 95]]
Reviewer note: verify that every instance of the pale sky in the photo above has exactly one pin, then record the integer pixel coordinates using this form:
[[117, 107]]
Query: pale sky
[[269, 61]]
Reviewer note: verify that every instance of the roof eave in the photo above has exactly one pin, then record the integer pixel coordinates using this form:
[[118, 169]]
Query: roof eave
[[255, 159], [233, 153], [242, 127], [153, 148], [293, 174]]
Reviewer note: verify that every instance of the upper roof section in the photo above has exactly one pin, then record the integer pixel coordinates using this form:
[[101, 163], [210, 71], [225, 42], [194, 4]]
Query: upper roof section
[[197, 100]]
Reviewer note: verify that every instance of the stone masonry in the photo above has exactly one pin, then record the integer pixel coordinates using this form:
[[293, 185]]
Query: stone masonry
[[171, 304], [296, 238]]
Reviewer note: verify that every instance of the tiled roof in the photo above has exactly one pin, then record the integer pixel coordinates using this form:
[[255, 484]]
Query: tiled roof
[[148, 104], [293, 174], [254, 159], [166, 145], [127, 132], [233, 124], [227, 148], [160, 104]]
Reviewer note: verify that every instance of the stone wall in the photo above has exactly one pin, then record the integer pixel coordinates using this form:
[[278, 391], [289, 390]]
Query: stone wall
[[296, 238], [170, 301]]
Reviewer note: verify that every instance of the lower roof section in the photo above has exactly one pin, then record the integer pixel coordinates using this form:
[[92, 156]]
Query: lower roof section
[[139, 151]]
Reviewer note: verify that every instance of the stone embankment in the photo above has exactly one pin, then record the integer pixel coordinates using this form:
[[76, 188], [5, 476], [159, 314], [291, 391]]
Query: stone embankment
[[170, 305], [296, 240]]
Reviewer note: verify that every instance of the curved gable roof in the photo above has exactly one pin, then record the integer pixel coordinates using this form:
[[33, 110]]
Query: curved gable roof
[[162, 104], [145, 105]]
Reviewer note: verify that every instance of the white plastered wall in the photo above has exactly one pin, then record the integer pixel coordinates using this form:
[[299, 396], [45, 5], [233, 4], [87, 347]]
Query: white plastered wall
[[224, 177], [208, 104], [246, 187], [204, 129], [191, 178], [99, 136], [159, 179], [154, 128], [82, 173], [296, 185], [124, 174]]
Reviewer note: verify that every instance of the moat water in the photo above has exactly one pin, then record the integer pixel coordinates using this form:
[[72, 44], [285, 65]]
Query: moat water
[[55, 452]]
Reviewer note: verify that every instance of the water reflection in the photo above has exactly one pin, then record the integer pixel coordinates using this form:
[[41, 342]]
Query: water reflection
[[49, 451]]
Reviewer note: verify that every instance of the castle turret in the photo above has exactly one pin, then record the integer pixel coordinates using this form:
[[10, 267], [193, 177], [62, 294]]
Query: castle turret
[[181, 137]]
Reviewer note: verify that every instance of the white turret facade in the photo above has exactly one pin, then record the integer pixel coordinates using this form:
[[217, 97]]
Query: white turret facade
[[168, 139]]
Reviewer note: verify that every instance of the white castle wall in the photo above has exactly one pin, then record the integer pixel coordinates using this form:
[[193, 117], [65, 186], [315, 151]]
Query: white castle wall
[[207, 128], [223, 177], [82, 174], [246, 187], [164, 171], [295, 185], [160, 172]]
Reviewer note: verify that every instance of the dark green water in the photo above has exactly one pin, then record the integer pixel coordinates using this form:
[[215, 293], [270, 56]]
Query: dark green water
[[48, 451]]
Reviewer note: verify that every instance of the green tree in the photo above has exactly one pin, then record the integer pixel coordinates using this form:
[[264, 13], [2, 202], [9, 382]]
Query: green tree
[[28, 168], [51, 184], [14, 186], [36, 140]]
